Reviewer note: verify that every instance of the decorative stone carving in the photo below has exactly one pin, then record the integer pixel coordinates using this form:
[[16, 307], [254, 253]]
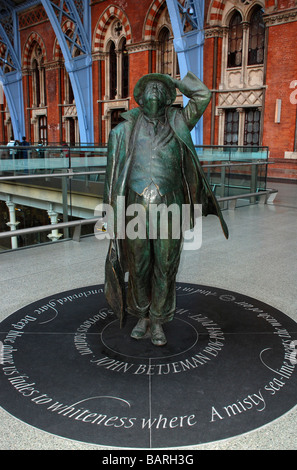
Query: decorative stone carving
[[234, 79], [241, 98], [70, 111], [280, 18], [255, 77]]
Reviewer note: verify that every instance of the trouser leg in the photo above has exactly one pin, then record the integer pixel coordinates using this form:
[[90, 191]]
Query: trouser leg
[[139, 260], [167, 251], [166, 263], [153, 262], [140, 273]]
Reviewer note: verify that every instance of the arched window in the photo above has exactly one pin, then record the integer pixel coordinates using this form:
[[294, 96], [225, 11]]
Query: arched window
[[256, 38], [235, 38], [125, 69], [118, 64], [112, 71], [69, 94], [38, 76], [165, 51], [117, 67]]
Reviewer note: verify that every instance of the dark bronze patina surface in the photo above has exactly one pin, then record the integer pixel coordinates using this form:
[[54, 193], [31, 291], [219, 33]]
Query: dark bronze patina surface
[[152, 160]]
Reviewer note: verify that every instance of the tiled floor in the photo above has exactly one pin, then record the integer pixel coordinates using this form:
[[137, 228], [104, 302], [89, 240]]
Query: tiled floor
[[259, 260]]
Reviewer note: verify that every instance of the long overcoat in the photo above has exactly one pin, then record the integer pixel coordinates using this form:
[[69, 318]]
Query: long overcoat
[[120, 159]]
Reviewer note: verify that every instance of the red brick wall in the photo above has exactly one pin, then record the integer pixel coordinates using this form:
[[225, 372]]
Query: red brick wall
[[53, 125], [281, 71], [139, 66], [46, 37], [135, 11], [96, 66], [207, 79], [208, 59]]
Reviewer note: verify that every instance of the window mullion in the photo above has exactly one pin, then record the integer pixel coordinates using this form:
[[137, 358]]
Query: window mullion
[[245, 51]]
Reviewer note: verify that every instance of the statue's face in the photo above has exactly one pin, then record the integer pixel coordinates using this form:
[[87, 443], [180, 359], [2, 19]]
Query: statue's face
[[155, 97]]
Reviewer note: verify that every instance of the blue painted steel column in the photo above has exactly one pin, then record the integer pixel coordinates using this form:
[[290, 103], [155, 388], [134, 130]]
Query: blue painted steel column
[[188, 43], [12, 81], [79, 68], [13, 90]]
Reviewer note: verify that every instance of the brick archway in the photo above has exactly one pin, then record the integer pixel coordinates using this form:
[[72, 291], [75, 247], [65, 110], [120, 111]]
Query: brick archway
[[33, 38], [104, 21], [215, 11], [66, 26], [152, 19]]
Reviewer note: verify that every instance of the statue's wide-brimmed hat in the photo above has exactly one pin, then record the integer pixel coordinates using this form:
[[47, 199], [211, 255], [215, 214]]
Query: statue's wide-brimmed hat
[[143, 81]]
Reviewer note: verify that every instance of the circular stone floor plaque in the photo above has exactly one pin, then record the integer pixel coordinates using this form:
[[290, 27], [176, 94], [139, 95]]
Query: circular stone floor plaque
[[228, 368]]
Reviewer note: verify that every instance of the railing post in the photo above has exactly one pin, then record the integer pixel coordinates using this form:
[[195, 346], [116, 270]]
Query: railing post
[[12, 223], [254, 174], [53, 215], [65, 204], [223, 181]]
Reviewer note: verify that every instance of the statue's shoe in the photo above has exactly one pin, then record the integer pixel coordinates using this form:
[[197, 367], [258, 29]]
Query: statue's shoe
[[140, 329], [158, 337]]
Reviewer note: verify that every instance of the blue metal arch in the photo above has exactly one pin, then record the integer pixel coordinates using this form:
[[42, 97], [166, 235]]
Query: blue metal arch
[[79, 68], [187, 23], [12, 81]]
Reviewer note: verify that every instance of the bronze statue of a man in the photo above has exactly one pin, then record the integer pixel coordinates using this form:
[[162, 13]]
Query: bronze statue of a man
[[152, 160]]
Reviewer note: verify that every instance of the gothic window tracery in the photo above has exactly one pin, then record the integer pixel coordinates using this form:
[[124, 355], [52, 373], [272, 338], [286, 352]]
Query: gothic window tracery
[[166, 56], [242, 72], [165, 51], [117, 85], [37, 90], [38, 76], [246, 32]]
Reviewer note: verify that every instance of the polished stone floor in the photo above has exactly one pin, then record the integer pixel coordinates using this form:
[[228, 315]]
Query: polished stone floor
[[258, 260]]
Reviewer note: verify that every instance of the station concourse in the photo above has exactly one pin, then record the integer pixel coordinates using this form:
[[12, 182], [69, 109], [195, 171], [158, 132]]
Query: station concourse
[[258, 261]]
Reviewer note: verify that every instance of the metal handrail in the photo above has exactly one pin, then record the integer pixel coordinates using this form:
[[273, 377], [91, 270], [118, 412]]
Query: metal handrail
[[247, 195], [80, 222], [229, 164], [70, 173], [49, 227]]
